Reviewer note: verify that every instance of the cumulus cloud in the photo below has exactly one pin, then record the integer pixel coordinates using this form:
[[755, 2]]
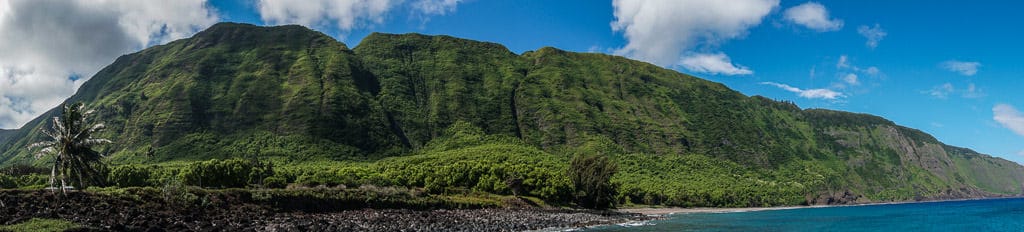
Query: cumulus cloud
[[812, 15], [663, 32], [153, 23], [873, 34], [344, 15], [51, 47], [962, 67], [717, 63], [808, 93], [1009, 117]]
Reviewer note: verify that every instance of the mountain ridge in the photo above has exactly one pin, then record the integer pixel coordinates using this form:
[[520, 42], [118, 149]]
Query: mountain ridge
[[237, 90]]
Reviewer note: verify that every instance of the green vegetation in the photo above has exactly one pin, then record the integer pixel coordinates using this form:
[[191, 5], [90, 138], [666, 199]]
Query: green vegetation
[[591, 176], [130, 176], [232, 173], [701, 181], [241, 106], [41, 225]]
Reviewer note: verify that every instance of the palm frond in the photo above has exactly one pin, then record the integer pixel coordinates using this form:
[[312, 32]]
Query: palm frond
[[41, 144], [44, 152], [97, 127], [92, 142]]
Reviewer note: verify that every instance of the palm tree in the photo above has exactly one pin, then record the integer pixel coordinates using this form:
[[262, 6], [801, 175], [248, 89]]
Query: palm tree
[[70, 145]]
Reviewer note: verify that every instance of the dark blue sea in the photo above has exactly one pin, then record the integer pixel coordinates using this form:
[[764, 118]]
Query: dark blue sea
[[967, 216]]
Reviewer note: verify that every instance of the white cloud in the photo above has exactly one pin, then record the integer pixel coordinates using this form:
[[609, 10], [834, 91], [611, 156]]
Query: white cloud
[[813, 15], [344, 15], [1009, 117], [843, 62], [4, 10], [44, 42], [941, 91], [808, 93], [662, 32], [872, 70], [973, 92], [873, 34], [436, 7], [157, 23], [851, 79], [716, 64], [965, 68]]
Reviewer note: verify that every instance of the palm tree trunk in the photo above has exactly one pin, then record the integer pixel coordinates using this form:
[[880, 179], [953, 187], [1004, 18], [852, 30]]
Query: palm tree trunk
[[53, 175]]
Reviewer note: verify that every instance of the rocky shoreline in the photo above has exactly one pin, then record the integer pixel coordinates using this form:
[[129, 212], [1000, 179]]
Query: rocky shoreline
[[446, 220], [99, 212]]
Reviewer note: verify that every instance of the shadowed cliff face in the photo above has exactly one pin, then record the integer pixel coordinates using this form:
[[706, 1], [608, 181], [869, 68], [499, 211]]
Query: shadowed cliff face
[[237, 90]]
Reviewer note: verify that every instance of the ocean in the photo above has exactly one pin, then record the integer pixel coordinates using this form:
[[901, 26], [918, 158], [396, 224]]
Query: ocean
[[969, 215]]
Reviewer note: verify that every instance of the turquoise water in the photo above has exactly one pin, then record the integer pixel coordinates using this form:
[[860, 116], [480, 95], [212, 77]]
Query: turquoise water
[[970, 216]]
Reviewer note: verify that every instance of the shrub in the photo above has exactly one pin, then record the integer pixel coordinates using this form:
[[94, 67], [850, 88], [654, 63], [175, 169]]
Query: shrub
[[38, 180], [23, 169], [319, 178], [8, 182], [130, 176], [229, 173], [275, 182], [591, 176]]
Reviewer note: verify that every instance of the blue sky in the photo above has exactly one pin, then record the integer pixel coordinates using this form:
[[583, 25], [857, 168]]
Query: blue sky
[[947, 68]]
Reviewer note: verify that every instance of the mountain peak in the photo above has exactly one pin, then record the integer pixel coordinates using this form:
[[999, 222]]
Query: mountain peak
[[242, 34], [414, 41]]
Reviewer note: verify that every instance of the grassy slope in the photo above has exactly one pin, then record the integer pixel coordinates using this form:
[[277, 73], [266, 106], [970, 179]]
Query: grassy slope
[[297, 96], [40, 225]]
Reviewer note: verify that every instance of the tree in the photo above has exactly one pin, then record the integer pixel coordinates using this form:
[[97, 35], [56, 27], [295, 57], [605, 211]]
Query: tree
[[71, 147], [515, 184], [591, 176]]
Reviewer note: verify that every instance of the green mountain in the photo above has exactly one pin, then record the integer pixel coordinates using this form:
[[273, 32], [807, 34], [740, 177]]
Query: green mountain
[[5, 135], [299, 96]]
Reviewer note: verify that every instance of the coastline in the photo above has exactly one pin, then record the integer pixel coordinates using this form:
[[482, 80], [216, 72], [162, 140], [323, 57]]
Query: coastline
[[662, 211], [679, 210]]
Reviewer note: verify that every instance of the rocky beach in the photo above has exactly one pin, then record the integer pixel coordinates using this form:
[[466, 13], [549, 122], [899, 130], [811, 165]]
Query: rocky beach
[[236, 212]]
